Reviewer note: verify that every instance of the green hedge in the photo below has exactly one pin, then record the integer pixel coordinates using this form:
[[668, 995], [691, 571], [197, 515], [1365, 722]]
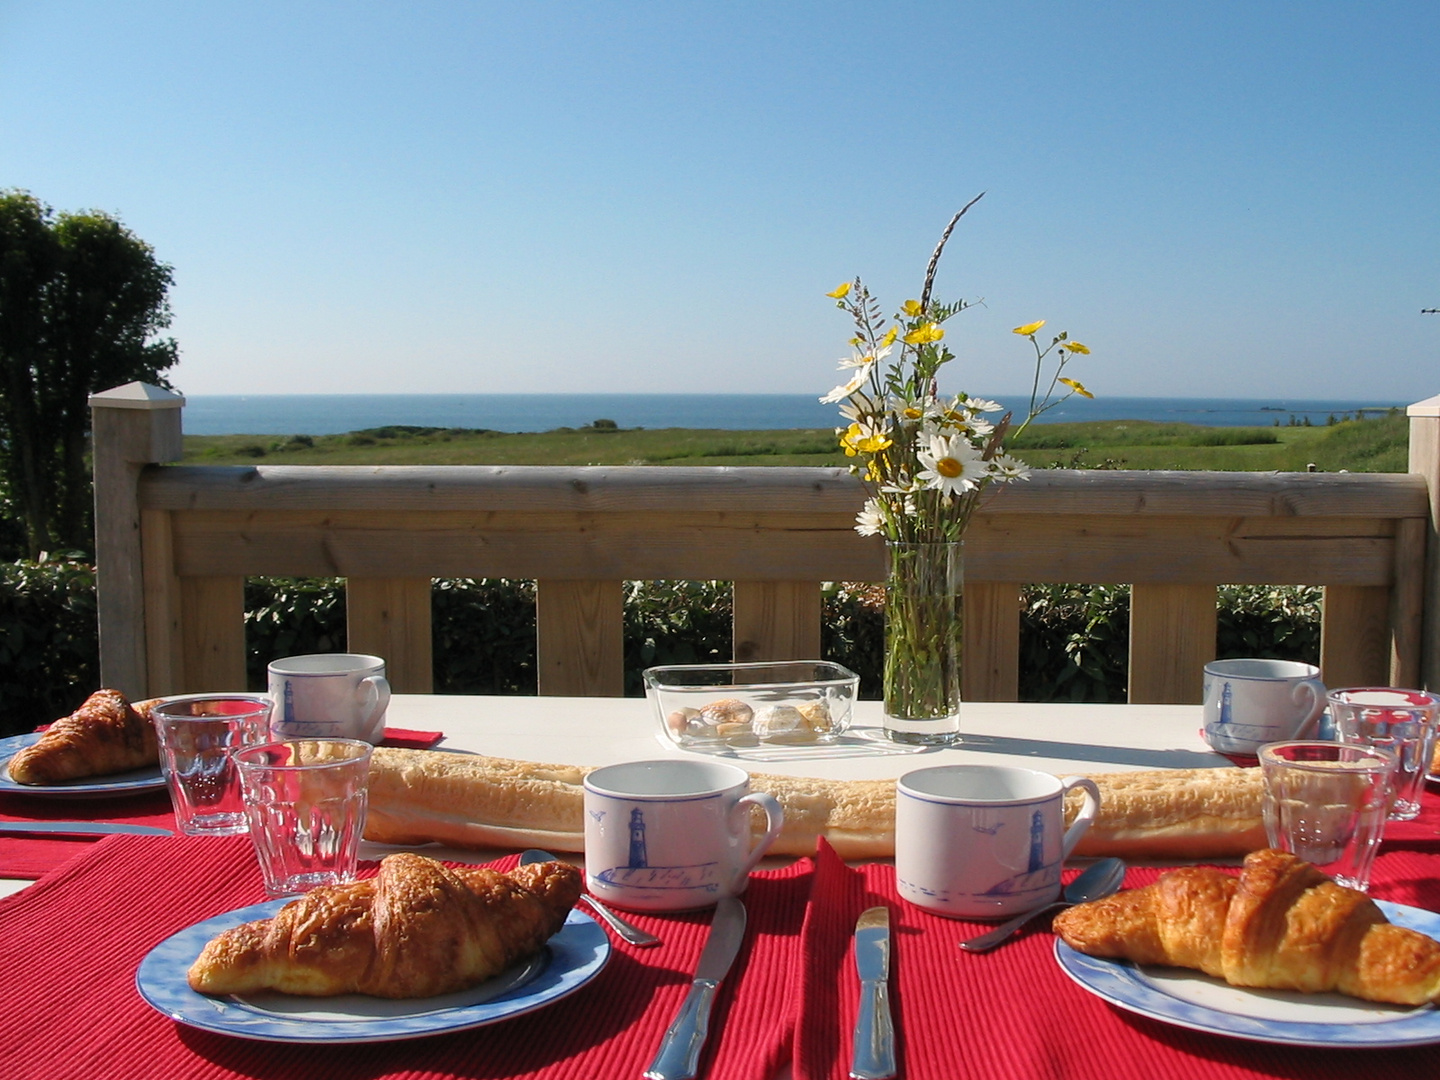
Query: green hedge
[[49, 653], [1073, 639]]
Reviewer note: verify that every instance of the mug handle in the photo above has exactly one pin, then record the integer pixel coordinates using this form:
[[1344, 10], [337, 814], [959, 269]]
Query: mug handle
[[740, 816], [1087, 813], [1316, 691], [376, 689]]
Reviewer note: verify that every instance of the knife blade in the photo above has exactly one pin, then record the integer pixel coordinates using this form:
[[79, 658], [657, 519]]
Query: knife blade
[[81, 828], [679, 1055], [873, 1050]]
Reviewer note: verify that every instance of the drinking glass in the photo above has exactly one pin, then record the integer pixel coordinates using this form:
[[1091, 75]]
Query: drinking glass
[[1326, 803], [1401, 721], [306, 802], [198, 734]]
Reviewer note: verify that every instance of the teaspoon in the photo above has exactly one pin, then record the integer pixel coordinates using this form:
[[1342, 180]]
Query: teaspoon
[[633, 934], [1097, 881]]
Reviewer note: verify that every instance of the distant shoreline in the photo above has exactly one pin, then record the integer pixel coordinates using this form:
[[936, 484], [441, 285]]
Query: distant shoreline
[[333, 414]]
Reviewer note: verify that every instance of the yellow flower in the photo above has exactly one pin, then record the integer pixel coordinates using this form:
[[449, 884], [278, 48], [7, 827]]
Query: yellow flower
[[864, 439], [924, 335], [1079, 388], [889, 338], [1076, 347], [911, 307], [1028, 329], [841, 292]]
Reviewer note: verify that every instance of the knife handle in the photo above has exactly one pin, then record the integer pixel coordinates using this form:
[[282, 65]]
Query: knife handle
[[679, 1055], [873, 1055]]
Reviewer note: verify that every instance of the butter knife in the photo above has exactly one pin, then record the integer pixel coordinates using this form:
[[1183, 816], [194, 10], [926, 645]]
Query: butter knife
[[81, 828], [679, 1055], [873, 1055]]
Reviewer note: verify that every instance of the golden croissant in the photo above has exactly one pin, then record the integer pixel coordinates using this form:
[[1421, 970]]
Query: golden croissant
[[1281, 925], [416, 929], [105, 735]]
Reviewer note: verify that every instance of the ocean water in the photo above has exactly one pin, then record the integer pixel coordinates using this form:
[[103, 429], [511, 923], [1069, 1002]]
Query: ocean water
[[330, 414]]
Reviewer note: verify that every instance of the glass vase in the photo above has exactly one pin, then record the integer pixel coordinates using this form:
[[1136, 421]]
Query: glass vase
[[924, 618]]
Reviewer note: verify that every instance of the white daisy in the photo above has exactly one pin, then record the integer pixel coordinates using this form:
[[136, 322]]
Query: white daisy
[[952, 466], [861, 360], [1010, 468], [870, 521], [841, 392], [978, 404]]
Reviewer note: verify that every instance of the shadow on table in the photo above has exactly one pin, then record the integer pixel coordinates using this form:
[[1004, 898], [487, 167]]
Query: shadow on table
[[1115, 755]]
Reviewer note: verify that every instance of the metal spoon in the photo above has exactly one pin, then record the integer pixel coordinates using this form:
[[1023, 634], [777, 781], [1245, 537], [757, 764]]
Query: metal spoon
[[1095, 882], [633, 934]]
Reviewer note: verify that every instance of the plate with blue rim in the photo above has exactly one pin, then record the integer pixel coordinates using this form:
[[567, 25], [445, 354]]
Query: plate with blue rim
[[133, 782], [1190, 999], [570, 959]]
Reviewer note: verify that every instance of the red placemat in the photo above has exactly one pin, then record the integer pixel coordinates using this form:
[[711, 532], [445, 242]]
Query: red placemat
[[406, 739], [1012, 1014], [32, 855], [1421, 833], [70, 944]]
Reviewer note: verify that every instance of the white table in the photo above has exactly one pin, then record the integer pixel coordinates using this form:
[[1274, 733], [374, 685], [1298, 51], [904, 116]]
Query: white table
[[1059, 738]]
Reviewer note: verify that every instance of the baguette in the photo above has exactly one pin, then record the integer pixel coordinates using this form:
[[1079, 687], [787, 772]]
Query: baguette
[[473, 801]]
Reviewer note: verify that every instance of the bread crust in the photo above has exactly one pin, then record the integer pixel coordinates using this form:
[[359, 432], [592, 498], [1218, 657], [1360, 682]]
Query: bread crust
[[105, 735], [474, 801]]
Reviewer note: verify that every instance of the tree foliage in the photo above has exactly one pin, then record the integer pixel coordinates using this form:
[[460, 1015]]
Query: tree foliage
[[81, 301]]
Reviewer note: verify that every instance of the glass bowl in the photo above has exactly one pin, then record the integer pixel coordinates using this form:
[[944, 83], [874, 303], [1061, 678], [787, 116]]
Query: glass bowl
[[710, 707]]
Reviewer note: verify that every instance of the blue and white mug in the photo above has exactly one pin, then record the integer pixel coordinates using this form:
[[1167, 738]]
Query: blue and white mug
[[1249, 703], [329, 696], [672, 835], [985, 841]]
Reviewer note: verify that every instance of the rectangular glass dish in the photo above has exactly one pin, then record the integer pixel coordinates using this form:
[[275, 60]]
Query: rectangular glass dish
[[712, 707]]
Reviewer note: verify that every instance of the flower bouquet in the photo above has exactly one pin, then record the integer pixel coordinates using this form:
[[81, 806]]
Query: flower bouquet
[[925, 460]]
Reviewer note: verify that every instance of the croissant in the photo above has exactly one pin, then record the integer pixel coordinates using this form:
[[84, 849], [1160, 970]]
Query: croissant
[[414, 930], [1281, 925], [105, 735]]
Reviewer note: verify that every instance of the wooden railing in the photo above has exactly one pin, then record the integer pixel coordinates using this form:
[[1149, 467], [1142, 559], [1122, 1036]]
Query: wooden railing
[[175, 543]]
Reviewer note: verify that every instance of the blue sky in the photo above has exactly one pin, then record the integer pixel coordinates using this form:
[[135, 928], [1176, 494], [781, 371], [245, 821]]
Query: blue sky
[[1220, 199]]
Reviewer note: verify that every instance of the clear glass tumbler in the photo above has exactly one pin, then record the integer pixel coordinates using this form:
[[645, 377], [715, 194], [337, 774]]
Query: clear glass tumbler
[[306, 804], [1326, 802], [198, 734], [1401, 721]]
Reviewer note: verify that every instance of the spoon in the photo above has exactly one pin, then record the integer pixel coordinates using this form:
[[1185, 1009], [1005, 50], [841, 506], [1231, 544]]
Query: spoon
[[1097, 881], [633, 934]]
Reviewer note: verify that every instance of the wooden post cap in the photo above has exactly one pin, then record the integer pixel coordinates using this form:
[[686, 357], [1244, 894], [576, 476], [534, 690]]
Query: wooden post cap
[[1428, 407], [137, 395]]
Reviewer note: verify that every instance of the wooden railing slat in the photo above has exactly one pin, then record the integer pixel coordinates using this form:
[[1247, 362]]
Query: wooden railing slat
[[700, 545], [991, 656], [213, 642], [776, 620], [1172, 638], [390, 618], [164, 632], [579, 638], [1407, 601], [1355, 636], [630, 489]]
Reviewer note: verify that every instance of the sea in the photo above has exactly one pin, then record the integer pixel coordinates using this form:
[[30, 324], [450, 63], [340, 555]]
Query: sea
[[331, 414]]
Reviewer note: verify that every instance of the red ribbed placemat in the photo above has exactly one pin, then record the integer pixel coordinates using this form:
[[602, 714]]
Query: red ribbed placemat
[[1012, 1014], [408, 739], [70, 944], [31, 855]]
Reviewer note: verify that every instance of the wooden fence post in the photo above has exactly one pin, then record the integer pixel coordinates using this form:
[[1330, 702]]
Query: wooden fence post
[[132, 426], [1425, 460]]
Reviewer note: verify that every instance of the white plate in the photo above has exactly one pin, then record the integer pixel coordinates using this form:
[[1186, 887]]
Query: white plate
[[569, 960], [1192, 1000], [89, 787]]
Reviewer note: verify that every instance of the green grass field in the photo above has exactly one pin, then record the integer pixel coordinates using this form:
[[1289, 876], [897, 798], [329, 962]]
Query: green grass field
[[1377, 445]]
